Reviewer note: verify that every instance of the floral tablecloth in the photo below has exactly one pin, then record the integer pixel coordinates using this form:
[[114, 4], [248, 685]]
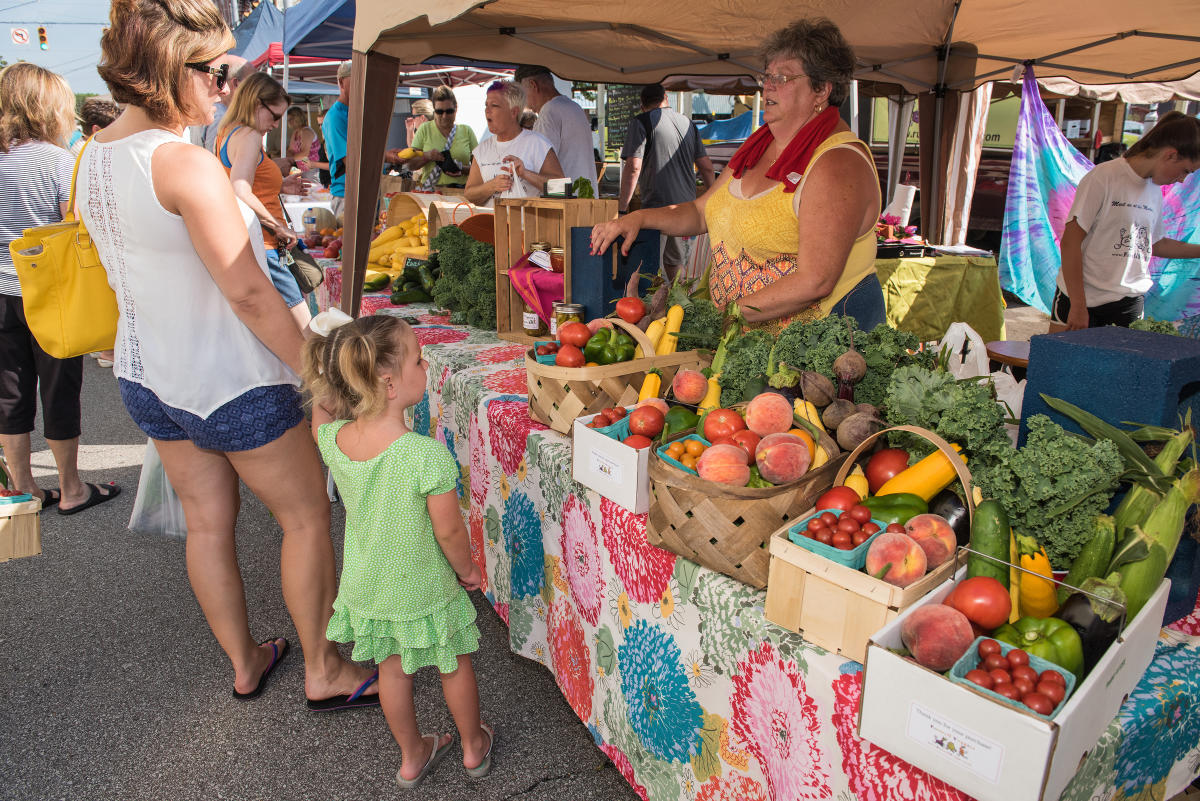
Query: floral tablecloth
[[672, 667]]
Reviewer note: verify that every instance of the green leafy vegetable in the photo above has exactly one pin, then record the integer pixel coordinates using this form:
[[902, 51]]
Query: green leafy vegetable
[[1156, 326], [467, 284], [745, 359]]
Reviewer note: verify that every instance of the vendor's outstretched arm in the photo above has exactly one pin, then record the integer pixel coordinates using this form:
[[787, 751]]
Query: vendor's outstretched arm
[[1174, 249]]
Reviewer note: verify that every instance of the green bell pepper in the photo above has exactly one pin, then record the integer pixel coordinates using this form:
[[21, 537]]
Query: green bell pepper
[[623, 345], [599, 348], [678, 419], [1048, 637], [899, 507]]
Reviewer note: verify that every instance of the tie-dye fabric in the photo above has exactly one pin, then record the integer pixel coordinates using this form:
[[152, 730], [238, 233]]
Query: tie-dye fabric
[[1176, 292]]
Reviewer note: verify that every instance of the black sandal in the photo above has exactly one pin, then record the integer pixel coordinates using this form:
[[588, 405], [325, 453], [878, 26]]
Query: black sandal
[[95, 498]]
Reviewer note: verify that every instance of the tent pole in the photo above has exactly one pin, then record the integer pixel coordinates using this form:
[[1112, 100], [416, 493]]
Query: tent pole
[[283, 123], [756, 111]]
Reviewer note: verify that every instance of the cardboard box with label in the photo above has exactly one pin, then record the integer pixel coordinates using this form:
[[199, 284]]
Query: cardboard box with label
[[616, 471], [989, 750]]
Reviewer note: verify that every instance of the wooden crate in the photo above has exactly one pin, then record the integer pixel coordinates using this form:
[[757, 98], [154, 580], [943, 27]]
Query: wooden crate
[[20, 530], [520, 222]]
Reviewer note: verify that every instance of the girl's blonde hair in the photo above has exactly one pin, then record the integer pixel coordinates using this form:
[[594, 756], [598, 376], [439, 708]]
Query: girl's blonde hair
[[144, 51], [36, 105], [342, 370], [255, 90]]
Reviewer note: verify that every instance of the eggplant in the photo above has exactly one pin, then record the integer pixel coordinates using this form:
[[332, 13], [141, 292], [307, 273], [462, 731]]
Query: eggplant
[[1097, 622], [947, 504]]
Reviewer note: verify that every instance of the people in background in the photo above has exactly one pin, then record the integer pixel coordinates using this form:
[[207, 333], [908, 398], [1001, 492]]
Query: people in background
[[255, 109], [791, 221], [1115, 226], [662, 154], [207, 355], [513, 162], [95, 115], [335, 129], [443, 146], [561, 120], [238, 68], [37, 113], [527, 119], [304, 146]]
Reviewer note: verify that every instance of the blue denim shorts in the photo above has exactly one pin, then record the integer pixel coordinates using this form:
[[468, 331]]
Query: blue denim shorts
[[253, 419], [282, 278], [864, 303]]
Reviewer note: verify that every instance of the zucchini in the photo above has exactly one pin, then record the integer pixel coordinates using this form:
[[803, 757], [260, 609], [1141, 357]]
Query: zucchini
[[426, 278], [410, 296], [990, 537], [1093, 558]]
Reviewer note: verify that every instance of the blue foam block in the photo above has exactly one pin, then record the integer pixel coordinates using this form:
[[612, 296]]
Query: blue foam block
[[592, 281], [1117, 374]]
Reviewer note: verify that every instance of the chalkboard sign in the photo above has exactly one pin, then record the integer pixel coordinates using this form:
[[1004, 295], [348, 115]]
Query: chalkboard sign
[[622, 104]]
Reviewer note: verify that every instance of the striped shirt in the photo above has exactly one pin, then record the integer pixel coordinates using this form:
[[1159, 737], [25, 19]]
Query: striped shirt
[[35, 177]]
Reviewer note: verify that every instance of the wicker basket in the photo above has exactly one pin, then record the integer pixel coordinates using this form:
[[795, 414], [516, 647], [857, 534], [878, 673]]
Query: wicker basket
[[557, 395], [724, 528], [837, 607]]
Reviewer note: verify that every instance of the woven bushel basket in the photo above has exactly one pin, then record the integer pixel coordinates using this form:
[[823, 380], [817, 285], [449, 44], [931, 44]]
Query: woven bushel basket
[[557, 395], [724, 528]]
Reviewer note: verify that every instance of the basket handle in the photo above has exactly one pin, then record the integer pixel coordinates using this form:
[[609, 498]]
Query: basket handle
[[454, 212], [639, 336], [956, 461]]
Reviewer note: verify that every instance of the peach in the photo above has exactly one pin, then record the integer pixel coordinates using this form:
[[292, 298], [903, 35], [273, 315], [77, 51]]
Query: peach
[[936, 635], [782, 458], [689, 386], [598, 323], [896, 558], [724, 464], [657, 403], [935, 537], [768, 413]]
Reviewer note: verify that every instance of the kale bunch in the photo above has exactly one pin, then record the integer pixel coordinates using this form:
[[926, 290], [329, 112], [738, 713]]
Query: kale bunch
[[703, 324], [467, 283], [885, 349], [962, 412], [1155, 326], [816, 345], [1053, 487], [745, 360]]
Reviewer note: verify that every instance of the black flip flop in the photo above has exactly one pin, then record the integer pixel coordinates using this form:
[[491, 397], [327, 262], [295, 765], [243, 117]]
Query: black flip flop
[[52, 497], [355, 700], [95, 498], [277, 655]]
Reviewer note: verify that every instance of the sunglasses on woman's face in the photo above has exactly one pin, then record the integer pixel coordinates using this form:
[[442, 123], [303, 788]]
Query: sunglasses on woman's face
[[222, 72], [276, 117], [440, 111]]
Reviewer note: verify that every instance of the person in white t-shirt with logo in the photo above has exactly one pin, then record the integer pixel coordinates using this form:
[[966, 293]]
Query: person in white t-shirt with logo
[[513, 162], [1115, 226]]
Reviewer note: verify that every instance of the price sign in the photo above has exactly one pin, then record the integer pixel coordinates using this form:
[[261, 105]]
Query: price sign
[[20, 36]]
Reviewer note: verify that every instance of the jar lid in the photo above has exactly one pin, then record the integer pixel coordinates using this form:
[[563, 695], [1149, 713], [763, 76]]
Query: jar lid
[[559, 251], [570, 308], [539, 245]]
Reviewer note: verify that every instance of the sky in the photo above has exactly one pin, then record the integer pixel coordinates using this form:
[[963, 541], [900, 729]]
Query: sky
[[72, 31]]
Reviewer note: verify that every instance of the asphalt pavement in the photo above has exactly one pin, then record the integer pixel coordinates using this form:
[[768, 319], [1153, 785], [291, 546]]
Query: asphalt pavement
[[113, 687]]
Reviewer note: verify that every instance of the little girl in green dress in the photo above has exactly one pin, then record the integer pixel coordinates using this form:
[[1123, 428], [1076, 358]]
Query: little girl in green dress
[[407, 560]]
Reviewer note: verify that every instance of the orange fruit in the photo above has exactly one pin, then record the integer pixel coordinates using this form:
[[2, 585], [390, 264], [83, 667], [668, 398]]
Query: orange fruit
[[675, 450], [808, 440], [688, 460], [693, 447]]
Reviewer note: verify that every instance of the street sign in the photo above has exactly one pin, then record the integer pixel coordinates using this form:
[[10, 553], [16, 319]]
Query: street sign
[[20, 36]]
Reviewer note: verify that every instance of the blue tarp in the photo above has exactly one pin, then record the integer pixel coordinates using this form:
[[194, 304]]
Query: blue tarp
[[256, 32], [732, 129], [321, 29]]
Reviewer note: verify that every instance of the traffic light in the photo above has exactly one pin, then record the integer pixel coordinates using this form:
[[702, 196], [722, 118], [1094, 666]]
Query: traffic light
[[43, 42]]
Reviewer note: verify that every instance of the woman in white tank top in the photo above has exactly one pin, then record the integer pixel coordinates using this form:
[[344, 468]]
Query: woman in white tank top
[[207, 354]]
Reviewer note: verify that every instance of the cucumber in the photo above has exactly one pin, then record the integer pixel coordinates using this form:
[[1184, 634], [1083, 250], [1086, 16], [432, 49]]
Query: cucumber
[[1093, 558], [410, 296], [990, 533]]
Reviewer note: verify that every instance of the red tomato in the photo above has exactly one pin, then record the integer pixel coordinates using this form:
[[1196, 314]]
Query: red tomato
[[842, 541], [859, 537], [542, 350], [981, 678], [1000, 676], [894, 528], [1038, 703], [848, 524], [842, 498], [985, 601], [883, 465], [824, 536], [1052, 690], [576, 334], [723, 423], [647, 421], [860, 513], [996, 661], [1022, 684], [870, 528], [631, 310], [1022, 671], [636, 441], [747, 440], [1018, 657], [618, 412], [552, 347], [829, 519], [611, 413], [569, 356], [1008, 691], [988, 647], [816, 524], [1052, 675]]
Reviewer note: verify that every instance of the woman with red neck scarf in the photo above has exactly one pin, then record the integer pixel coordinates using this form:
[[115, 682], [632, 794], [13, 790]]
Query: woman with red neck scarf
[[791, 221]]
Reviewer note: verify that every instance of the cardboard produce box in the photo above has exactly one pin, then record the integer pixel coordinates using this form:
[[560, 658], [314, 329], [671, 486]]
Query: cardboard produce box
[[989, 750], [616, 471]]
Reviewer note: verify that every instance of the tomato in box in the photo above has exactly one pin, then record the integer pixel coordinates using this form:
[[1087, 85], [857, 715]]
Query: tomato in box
[[841, 497]]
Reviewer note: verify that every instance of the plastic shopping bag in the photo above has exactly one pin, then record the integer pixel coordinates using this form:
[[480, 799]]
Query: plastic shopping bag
[[157, 509], [967, 352]]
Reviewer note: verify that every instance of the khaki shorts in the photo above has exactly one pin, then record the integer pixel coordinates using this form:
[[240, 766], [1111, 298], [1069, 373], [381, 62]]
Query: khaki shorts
[[338, 206], [672, 250]]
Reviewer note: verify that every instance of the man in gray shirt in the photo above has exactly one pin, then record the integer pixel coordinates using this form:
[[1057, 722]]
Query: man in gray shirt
[[662, 153]]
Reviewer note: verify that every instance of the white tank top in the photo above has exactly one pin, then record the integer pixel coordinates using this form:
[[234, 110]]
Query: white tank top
[[177, 334]]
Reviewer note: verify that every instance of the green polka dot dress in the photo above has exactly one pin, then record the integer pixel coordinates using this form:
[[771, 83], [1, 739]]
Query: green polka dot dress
[[398, 594]]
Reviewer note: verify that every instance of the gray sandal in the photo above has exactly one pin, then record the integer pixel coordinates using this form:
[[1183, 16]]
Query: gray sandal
[[435, 756], [481, 770]]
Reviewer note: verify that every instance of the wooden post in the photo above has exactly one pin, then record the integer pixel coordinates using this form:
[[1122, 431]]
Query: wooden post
[[372, 86]]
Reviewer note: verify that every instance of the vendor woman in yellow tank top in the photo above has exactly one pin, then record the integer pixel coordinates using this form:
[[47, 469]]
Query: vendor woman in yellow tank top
[[791, 221]]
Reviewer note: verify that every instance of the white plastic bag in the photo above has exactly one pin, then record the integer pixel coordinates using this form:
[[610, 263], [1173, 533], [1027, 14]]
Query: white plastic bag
[[968, 353], [157, 509]]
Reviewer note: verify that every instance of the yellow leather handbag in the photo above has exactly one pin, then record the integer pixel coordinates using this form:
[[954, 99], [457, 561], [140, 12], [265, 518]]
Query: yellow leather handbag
[[70, 308]]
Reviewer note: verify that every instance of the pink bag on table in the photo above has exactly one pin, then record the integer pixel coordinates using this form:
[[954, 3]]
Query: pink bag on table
[[538, 287]]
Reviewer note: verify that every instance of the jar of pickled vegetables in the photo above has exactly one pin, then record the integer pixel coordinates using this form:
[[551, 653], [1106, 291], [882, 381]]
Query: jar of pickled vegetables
[[567, 313], [531, 323]]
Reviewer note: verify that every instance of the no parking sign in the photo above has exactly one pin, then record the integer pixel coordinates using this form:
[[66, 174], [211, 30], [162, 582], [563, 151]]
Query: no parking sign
[[20, 36]]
